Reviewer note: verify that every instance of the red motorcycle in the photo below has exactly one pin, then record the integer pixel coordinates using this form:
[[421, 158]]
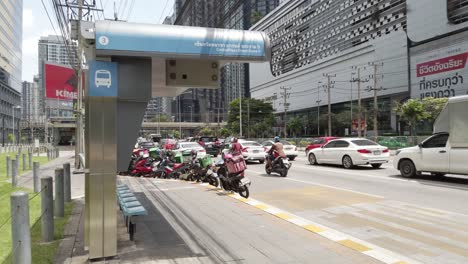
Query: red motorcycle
[[143, 165]]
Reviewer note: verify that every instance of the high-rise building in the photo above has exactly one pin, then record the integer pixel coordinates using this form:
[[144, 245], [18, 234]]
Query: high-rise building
[[30, 100], [334, 52], [52, 49], [199, 104], [11, 19]]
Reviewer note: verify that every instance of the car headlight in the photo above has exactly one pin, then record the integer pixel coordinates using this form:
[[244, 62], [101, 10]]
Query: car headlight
[[397, 152]]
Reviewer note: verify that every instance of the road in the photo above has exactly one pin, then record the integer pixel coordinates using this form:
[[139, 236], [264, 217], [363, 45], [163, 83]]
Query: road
[[424, 219]]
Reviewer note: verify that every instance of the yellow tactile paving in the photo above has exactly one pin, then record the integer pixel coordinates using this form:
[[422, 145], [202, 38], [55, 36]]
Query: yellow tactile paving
[[353, 245], [262, 206]]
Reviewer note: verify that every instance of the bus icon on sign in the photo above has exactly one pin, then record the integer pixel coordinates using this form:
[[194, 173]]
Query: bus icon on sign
[[103, 78]]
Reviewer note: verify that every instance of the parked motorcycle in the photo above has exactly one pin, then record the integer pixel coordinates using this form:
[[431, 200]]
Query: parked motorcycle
[[168, 169], [231, 175], [278, 165]]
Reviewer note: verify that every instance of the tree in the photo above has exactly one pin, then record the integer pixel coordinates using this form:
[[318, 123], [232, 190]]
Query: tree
[[206, 131], [175, 133], [225, 132], [11, 137], [411, 111], [295, 125], [256, 16], [254, 111], [433, 107], [161, 118]]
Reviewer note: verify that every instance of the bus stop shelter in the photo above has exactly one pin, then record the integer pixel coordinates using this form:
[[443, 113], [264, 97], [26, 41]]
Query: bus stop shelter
[[128, 64]]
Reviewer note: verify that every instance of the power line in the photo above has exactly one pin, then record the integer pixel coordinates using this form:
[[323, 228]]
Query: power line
[[162, 13]]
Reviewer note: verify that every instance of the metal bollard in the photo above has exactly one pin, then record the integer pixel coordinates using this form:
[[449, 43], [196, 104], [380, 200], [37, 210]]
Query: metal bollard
[[14, 172], [30, 158], [8, 166], [48, 154], [66, 182], [17, 157], [57, 152], [59, 201], [20, 229], [24, 161], [47, 209], [36, 176], [20, 149]]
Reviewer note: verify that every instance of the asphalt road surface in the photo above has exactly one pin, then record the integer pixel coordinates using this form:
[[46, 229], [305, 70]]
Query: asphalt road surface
[[425, 219]]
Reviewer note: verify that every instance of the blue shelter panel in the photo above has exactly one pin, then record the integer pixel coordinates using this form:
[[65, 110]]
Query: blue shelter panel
[[180, 41]]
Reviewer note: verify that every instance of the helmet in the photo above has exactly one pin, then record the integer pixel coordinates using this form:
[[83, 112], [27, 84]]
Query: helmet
[[234, 140], [193, 153], [277, 139]]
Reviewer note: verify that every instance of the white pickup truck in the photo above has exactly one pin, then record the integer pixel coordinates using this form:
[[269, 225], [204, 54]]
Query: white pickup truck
[[444, 152]]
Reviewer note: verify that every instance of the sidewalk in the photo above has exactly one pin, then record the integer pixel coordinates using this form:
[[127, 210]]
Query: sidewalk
[[48, 169], [189, 223]]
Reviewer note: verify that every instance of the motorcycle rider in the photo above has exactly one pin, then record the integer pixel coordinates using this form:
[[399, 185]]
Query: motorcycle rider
[[277, 148], [236, 147]]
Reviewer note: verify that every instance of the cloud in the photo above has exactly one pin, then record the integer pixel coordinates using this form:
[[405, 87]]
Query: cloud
[[28, 19]]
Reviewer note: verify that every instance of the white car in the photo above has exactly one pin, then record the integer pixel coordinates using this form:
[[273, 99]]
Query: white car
[[289, 149], [188, 146], [350, 152], [251, 150]]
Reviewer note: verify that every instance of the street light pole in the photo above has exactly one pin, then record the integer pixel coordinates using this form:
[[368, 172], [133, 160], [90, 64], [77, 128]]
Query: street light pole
[[14, 135], [318, 107]]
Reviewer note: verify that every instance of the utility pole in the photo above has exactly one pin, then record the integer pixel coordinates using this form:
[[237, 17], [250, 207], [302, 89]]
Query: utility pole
[[351, 101], [240, 99], [359, 118], [248, 118], [318, 107], [329, 83], [285, 96], [376, 107]]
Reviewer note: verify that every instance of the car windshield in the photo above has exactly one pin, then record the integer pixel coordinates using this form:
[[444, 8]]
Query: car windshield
[[364, 142], [190, 145], [251, 144], [208, 139]]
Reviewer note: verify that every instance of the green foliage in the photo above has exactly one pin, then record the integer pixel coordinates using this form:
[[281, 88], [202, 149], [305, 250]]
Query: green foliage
[[414, 110], [295, 125], [206, 131], [161, 118], [256, 16], [11, 138], [257, 117], [175, 133], [224, 132]]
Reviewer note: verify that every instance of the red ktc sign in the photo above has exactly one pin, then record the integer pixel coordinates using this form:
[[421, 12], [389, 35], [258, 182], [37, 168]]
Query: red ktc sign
[[354, 124], [442, 65], [60, 82]]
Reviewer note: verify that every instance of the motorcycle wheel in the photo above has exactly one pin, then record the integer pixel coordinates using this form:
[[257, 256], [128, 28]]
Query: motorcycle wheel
[[214, 181], [267, 170], [244, 191], [285, 172]]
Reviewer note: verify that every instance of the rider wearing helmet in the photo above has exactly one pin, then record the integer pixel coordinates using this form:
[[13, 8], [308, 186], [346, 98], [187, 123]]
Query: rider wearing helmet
[[194, 154], [276, 148]]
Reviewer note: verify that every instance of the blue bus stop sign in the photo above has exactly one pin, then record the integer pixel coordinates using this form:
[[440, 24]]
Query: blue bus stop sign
[[103, 79]]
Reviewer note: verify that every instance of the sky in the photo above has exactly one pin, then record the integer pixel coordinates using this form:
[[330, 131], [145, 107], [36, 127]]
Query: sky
[[37, 24]]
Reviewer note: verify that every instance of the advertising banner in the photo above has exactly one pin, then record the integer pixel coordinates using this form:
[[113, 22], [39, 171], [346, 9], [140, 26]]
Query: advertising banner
[[440, 72], [354, 125], [60, 82]]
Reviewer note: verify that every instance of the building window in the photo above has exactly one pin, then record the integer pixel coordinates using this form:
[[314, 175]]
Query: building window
[[457, 11]]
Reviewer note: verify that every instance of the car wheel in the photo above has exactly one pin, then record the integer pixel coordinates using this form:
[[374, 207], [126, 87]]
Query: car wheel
[[312, 159], [292, 158], [376, 165], [407, 169], [261, 161], [347, 162]]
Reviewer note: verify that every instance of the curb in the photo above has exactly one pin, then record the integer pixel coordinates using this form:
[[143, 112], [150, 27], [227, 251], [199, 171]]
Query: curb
[[366, 248]]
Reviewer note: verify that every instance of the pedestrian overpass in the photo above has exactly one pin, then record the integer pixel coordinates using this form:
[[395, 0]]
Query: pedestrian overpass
[[128, 64]]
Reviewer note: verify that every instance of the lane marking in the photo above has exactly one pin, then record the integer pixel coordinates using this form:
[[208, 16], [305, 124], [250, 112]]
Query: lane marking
[[343, 239], [328, 186], [354, 245]]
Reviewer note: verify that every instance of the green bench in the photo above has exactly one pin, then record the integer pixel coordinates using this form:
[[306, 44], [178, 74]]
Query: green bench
[[130, 207]]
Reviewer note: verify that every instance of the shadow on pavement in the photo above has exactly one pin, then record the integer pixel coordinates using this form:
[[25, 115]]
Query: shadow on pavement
[[155, 238], [441, 181]]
